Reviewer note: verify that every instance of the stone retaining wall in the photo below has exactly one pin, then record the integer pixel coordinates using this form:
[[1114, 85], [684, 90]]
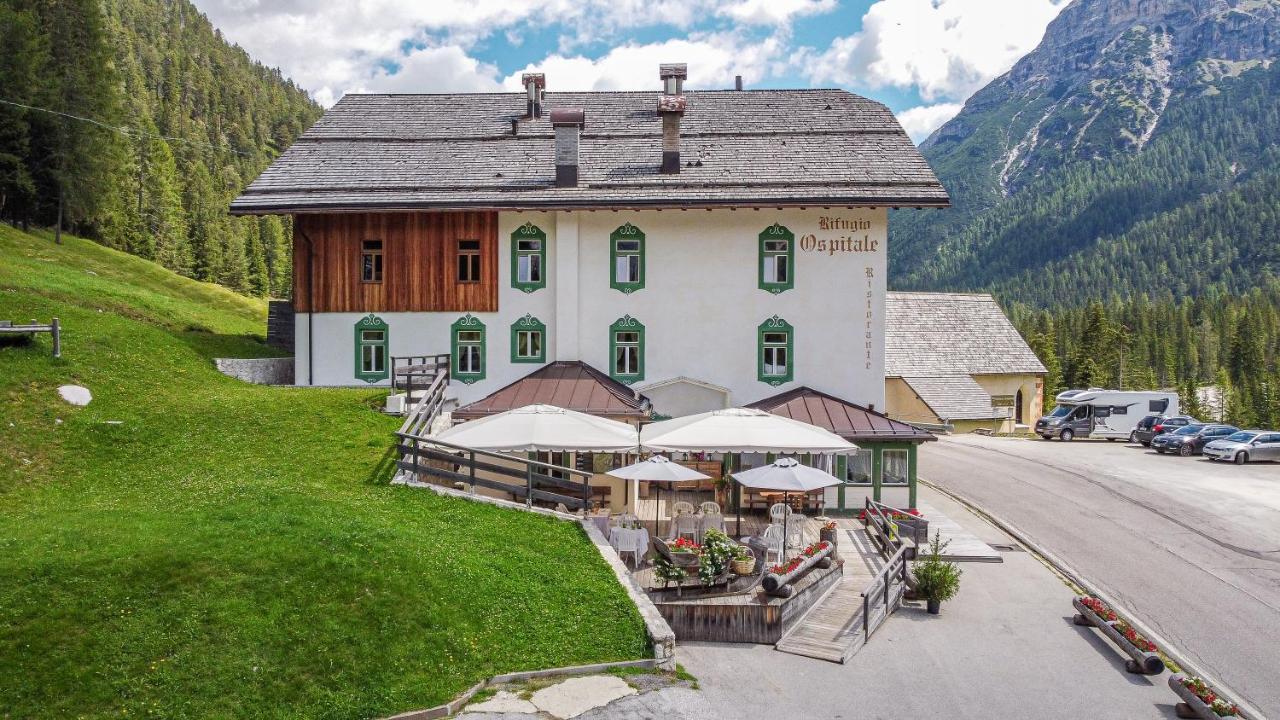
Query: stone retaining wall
[[259, 371]]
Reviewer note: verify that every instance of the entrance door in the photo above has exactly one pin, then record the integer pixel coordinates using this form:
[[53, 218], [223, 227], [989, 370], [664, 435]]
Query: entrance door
[[1017, 407]]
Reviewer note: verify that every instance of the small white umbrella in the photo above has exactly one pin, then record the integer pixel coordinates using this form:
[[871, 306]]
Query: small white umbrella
[[545, 428], [787, 475], [658, 469]]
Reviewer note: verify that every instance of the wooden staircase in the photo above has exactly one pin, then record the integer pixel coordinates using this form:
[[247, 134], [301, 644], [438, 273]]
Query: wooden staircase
[[839, 624]]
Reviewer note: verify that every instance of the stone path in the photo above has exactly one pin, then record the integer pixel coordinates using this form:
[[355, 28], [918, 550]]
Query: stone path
[[655, 696]]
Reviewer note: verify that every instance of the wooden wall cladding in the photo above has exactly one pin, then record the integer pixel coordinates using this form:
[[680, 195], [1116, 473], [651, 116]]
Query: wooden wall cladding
[[420, 265]]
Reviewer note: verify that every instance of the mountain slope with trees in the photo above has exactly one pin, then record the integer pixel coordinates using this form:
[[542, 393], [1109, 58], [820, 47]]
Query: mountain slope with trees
[[144, 122], [1133, 151]]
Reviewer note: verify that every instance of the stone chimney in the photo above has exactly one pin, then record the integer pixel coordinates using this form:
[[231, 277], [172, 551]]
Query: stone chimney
[[671, 106], [535, 86], [568, 124]]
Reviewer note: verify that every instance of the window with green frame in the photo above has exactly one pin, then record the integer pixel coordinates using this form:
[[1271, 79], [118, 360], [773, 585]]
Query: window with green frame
[[468, 349], [626, 259], [528, 258], [371, 349], [528, 340], [777, 259], [626, 350], [776, 362]]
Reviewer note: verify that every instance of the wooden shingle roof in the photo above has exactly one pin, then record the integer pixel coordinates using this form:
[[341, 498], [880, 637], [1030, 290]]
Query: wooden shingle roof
[[942, 334], [848, 420], [456, 151], [953, 397], [569, 385]]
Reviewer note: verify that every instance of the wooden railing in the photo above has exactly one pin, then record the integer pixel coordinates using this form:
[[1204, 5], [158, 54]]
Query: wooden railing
[[408, 371], [448, 464], [884, 594], [878, 521], [423, 413]]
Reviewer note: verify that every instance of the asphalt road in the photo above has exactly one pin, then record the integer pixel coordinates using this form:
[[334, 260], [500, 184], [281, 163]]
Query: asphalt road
[[1190, 546]]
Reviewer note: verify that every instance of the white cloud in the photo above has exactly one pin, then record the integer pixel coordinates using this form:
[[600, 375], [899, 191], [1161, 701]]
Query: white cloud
[[946, 49], [919, 122], [713, 60], [774, 12], [435, 69]]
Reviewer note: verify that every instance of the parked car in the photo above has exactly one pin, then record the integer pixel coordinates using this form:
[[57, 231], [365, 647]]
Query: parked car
[[1161, 443], [1192, 443], [1246, 445], [1145, 430], [1169, 423]]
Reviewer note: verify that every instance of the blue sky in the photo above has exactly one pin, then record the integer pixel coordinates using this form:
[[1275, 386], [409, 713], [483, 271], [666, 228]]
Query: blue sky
[[922, 58]]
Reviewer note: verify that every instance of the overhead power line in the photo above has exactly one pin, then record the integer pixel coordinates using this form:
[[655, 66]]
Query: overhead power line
[[128, 132]]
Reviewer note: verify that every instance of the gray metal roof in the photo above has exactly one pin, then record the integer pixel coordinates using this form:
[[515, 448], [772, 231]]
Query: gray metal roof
[[953, 397], [937, 334], [738, 148]]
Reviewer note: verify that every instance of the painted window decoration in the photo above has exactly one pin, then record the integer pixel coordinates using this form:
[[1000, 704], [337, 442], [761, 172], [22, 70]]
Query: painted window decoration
[[776, 360], [371, 349], [468, 349], [528, 340], [626, 259], [528, 258], [626, 350], [468, 261], [777, 259], [371, 261]]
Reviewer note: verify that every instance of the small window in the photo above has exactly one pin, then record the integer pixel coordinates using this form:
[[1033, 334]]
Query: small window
[[528, 258], [468, 349], [371, 261], [1119, 409], [1157, 406], [626, 348], [896, 467], [468, 261], [371, 349], [775, 364], [1102, 412], [777, 256], [528, 340], [626, 259], [858, 468]]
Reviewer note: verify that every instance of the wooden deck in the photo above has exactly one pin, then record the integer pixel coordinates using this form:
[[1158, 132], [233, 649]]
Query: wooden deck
[[833, 629]]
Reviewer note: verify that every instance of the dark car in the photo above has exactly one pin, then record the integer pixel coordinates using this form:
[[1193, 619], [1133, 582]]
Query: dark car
[[1145, 430], [1191, 439], [1167, 425]]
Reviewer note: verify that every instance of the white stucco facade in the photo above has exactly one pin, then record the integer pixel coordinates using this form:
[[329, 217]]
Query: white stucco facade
[[701, 304]]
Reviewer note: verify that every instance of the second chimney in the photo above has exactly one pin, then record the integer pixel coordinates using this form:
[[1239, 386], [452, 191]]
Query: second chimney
[[671, 108], [568, 124], [535, 85]]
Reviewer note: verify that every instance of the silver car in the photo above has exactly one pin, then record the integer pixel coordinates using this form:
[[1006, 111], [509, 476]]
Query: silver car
[[1244, 446]]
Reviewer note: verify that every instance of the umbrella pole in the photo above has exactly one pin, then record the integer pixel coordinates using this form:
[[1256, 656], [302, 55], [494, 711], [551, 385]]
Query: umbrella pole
[[657, 502]]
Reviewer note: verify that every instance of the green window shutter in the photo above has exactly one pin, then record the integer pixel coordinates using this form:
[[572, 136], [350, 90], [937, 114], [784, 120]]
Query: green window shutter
[[775, 361], [468, 349], [528, 258], [372, 340], [626, 259], [777, 265], [528, 340], [626, 350]]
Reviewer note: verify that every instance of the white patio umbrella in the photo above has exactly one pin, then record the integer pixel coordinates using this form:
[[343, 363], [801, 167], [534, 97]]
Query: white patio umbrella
[[658, 469], [787, 475], [741, 430], [544, 428]]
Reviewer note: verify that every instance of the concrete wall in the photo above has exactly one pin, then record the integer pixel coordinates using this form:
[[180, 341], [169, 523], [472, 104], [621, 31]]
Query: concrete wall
[[685, 398], [904, 404], [1030, 385], [259, 371], [901, 402], [701, 305]]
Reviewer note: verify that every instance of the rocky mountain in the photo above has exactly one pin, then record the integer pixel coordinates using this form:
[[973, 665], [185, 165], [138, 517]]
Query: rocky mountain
[[1136, 127]]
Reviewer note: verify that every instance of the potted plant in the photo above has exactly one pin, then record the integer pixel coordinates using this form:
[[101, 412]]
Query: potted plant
[[827, 533], [669, 573], [1199, 700], [744, 562], [717, 551], [937, 580]]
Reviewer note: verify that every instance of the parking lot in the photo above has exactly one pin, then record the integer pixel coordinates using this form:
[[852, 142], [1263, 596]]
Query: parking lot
[[1189, 545]]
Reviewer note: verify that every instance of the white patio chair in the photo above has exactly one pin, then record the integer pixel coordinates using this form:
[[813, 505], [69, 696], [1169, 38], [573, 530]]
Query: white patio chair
[[709, 508], [778, 513], [686, 525], [682, 508], [775, 541]]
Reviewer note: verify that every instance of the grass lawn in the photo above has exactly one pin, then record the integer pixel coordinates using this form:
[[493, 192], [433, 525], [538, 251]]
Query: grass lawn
[[228, 550]]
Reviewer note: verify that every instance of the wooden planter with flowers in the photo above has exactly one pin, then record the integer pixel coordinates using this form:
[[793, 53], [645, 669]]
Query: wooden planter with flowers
[[1142, 652], [777, 581], [1199, 700]]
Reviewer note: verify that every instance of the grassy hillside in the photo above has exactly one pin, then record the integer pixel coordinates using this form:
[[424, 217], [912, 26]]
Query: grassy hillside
[[191, 546]]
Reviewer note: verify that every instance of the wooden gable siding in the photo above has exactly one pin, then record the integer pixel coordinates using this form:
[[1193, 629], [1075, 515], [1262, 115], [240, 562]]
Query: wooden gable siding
[[420, 264]]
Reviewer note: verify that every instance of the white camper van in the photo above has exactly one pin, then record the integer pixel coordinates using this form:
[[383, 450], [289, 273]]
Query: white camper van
[[1111, 414]]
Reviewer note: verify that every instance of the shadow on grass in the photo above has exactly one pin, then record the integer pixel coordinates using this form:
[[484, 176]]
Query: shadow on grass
[[385, 468], [211, 345]]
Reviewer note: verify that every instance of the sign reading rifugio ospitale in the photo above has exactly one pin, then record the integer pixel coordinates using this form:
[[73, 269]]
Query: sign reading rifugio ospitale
[[851, 236]]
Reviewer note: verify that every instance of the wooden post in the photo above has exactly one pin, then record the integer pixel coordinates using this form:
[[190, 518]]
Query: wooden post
[[877, 473], [528, 479], [57, 338], [472, 471], [911, 476]]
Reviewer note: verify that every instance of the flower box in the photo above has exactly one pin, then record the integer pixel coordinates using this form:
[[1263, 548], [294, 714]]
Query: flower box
[[1144, 659], [1199, 700], [779, 578]]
